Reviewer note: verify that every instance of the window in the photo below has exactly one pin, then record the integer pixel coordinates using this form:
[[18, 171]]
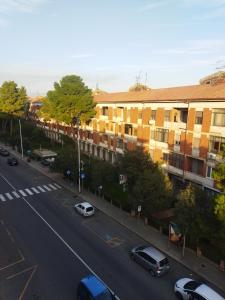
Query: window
[[105, 110], [167, 115], [219, 118], [195, 166], [160, 135], [153, 114], [183, 115], [128, 129], [209, 172], [180, 115], [176, 160], [216, 144], [177, 139], [198, 117]]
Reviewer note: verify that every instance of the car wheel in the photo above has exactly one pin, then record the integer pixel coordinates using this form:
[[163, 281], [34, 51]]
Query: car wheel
[[152, 273], [179, 296]]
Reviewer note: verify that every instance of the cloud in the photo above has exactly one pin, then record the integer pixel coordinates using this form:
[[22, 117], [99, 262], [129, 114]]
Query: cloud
[[153, 5], [26, 6]]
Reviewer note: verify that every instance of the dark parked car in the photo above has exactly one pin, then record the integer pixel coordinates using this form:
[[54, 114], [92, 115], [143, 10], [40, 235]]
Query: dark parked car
[[12, 161], [4, 152]]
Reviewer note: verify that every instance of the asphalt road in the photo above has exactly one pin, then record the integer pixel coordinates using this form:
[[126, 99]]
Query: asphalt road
[[59, 247]]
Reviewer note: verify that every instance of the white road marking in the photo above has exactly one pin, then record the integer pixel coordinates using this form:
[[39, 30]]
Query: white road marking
[[57, 185], [2, 198], [29, 192], [9, 196], [52, 186], [22, 193], [58, 235], [35, 190], [41, 189], [15, 194], [46, 187]]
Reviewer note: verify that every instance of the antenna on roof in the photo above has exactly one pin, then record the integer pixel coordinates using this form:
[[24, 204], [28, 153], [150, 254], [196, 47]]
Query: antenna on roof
[[138, 78], [146, 78], [97, 86]]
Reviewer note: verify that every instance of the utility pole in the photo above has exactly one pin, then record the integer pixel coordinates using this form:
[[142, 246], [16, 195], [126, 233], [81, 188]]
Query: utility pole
[[76, 121], [21, 138]]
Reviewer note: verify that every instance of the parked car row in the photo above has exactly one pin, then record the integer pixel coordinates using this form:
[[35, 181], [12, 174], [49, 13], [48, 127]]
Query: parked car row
[[11, 160], [151, 259]]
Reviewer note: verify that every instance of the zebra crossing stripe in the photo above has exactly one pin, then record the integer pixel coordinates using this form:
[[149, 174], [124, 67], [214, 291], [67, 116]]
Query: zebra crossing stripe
[[41, 189], [9, 196], [35, 190], [29, 192], [52, 186], [15, 194], [47, 188], [2, 198], [57, 185], [22, 193]]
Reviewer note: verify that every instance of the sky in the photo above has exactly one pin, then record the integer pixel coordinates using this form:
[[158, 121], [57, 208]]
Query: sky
[[111, 44]]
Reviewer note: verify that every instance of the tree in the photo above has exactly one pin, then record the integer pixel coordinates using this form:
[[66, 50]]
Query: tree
[[185, 209], [70, 98], [147, 185], [139, 87], [219, 172], [12, 100]]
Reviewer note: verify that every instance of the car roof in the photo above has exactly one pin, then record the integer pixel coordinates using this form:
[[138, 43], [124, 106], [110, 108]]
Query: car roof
[[94, 285], [86, 204], [208, 293], [156, 254]]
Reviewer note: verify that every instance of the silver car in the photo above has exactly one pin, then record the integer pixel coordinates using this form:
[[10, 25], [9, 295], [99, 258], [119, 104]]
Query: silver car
[[151, 259], [85, 209]]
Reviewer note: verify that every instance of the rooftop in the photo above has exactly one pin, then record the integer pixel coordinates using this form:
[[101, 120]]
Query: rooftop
[[204, 92]]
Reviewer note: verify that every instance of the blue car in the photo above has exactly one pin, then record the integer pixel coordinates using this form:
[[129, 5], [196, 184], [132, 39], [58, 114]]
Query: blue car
[[92, 288]]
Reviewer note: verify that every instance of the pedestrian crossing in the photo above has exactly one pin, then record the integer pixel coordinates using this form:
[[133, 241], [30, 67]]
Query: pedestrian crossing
[[16, 194]]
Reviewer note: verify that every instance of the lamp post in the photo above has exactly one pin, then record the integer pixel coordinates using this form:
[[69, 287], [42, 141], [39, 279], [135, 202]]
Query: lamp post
[[76, 121], [21, 138]]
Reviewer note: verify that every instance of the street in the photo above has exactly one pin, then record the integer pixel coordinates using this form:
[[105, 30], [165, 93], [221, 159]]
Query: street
[[50, 247]]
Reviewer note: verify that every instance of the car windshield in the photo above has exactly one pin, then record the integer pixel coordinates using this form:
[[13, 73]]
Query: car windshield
[[164, 262], [141, 248], [89, 209], [192, 285], [106, 295]]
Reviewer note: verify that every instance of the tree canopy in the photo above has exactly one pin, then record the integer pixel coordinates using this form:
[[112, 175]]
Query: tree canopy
[[12, 99], [147, 185], [70, 98]]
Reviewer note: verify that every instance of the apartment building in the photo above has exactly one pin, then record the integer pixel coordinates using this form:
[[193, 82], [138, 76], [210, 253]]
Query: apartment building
[[183, 128]]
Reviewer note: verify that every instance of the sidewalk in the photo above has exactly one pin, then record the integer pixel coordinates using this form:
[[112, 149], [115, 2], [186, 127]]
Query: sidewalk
[[200, 265]]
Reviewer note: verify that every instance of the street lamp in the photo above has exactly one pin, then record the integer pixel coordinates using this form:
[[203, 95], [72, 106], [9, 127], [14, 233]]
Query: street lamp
[[21, 138], [76, 121]]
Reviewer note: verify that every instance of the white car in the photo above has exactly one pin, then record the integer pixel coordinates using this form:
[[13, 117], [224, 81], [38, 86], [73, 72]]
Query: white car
[[189, 289], [85, 209]]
